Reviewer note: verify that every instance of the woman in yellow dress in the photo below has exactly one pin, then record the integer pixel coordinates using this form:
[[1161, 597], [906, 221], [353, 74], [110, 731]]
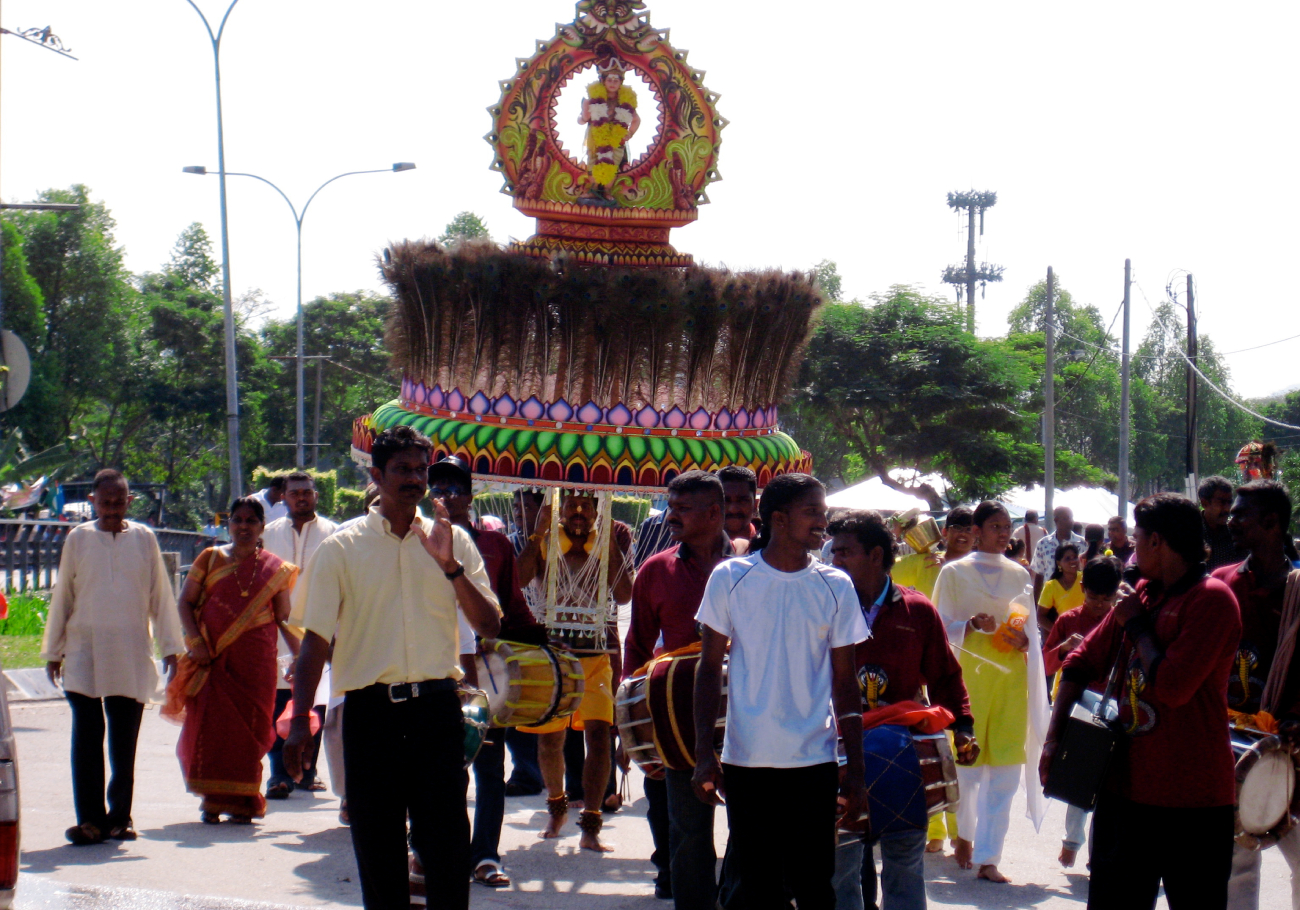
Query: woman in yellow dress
[[986, 602], [609, 111]]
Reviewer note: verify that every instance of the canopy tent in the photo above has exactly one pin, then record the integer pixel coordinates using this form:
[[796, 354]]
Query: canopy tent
[[1090, 505], [873, 494]]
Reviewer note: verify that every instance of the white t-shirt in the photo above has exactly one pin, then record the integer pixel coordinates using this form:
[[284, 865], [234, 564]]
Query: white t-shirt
[[782, 627]]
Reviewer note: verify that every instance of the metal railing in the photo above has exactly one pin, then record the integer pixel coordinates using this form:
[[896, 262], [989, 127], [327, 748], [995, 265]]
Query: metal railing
[[30, 550]]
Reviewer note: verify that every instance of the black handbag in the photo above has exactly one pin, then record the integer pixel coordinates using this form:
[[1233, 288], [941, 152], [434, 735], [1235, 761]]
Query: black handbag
[[1085, 749]]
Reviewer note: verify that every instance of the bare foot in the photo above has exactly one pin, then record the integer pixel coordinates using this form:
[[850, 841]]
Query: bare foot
[[592, 842], [990, 873], [964, 850], [554, 824], [576, 804], [935, 845], [1067, 857]]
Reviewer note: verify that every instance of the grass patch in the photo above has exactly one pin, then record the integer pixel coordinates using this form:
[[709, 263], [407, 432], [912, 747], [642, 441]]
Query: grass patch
[[20, 651], [27, 614]]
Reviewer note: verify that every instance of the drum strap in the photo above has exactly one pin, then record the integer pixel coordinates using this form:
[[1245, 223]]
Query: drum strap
[[1275, 686]]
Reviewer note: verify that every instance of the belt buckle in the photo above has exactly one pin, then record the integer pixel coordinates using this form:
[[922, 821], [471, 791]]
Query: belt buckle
[[393, 698]]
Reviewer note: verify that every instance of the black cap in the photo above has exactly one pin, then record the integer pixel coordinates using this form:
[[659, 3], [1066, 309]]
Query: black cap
[[451, 468]]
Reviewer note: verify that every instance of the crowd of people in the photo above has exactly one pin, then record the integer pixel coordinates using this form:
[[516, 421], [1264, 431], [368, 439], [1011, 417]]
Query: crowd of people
[[300, 637]]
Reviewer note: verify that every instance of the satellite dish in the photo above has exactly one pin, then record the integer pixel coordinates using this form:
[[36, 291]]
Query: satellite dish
[[17, 370]]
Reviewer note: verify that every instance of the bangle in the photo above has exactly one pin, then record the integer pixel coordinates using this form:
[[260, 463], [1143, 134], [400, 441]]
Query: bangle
[[302, 716], [847, 715], [452, 576]]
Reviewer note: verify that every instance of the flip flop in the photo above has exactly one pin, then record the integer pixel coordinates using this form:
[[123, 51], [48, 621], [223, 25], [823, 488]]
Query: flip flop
[[491, 874], [84, 835], [278, 790]]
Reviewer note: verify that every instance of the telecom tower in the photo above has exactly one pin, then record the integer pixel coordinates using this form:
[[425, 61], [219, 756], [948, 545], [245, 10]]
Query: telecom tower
[[965, 277]]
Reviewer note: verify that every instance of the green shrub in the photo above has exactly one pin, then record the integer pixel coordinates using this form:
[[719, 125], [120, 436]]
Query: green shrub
[[27, 614], [327, 485], [347, 503]]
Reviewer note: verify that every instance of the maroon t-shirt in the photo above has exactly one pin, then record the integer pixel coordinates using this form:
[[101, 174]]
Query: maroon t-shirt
[[1178, 754], [1068, 623], [1261, 617], [517, 622], [908, 649], [665, 598]]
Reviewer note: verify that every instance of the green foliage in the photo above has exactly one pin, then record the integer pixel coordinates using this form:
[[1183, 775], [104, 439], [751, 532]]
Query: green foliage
[[347, 503], [900, 383], [349, 330], [465, 226], [327, 485], [827, 274], [27, 614]]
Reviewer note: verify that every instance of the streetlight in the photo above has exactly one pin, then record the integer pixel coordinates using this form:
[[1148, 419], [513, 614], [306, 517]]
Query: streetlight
[[297, 220], [232, 387]]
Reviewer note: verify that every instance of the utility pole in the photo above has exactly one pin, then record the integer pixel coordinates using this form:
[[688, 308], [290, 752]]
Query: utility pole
[[1049, 401], [966, 277], [1124, 398], [315, 430], [1193, 461]]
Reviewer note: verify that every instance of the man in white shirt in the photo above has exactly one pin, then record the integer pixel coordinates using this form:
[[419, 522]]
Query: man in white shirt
[[1031, 532], [272, 499], [792, 623], [112, 588], [1043, 562], [294, 539]]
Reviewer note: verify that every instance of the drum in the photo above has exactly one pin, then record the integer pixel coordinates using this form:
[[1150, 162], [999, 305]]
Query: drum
[[1268, 800], [475, 712], [938, 772], [632, 715], [415, 882], [527, 685], [670, 693], [910, 776]]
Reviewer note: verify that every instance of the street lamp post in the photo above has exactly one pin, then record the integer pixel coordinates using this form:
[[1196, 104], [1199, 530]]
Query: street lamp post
[[299, 421], [232, 387]]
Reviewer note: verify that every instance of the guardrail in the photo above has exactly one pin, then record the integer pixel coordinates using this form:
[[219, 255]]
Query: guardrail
[[30, 550]]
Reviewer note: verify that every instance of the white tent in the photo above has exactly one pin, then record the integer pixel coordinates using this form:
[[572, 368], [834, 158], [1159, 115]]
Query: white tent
[[1090, 505], [873, 494]]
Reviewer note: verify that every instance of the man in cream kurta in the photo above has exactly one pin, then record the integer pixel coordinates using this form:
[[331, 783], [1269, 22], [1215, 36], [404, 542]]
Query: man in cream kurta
[[1008, 696], [294, 538], [113, 592]]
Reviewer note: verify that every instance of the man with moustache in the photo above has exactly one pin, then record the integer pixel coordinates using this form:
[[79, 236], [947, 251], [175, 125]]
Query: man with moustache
[[389, 590], [665, 598], [740, 501]]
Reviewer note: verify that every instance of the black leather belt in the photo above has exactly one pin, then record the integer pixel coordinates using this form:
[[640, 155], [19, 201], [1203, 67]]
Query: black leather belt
[[399, 692]]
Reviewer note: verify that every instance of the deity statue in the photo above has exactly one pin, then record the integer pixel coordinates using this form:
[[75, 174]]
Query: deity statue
[[609, 112]]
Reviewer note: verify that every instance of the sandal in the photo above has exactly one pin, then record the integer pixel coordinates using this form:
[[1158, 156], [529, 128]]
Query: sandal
[[612, 803], [491, 874], [123, 832], [241, 819], [279, 790], [316, 786], [210, 818], [344, 818], [84, 835]]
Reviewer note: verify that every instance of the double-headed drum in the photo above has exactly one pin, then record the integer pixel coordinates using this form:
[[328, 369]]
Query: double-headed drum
[[938, 772], [670, 690], [528, 685], [635, 729], [909, 776], [1268, 800]]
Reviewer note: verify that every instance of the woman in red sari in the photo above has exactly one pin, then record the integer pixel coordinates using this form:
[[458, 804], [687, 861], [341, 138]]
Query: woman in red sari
[[235, 599]]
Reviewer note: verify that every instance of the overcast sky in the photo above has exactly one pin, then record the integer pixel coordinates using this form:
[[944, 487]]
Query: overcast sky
[[1162, 132]]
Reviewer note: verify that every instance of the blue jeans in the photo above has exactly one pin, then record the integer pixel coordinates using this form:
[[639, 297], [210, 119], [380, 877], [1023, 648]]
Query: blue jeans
[[902, 873], [489, 799], [694, 859], [526, 772], [278, 774]]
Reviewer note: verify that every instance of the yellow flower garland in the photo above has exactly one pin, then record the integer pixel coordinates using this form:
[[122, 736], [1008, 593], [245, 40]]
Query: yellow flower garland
[[609, 134]]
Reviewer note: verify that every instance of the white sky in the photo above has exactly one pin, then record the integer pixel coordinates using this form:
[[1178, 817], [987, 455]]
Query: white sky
[[1162, 132]]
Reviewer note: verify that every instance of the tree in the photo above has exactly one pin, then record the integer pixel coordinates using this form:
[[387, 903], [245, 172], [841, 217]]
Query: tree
[[358, 376], [827, 274], [906, 386], [465, 226]]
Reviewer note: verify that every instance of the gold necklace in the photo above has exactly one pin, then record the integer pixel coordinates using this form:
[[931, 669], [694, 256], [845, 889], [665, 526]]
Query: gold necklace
[[244, 591]]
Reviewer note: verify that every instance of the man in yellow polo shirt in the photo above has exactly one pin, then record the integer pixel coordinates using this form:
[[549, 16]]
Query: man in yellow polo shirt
[[387, 589], [596, 647]]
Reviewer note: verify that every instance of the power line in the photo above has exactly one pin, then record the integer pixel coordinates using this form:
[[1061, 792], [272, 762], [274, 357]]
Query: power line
[[1208, 381], [1258, 346]]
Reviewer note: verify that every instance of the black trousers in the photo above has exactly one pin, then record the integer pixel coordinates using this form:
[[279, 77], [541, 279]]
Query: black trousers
[[88, 726], [782, 823], [407, 759], [1136, 848], [656, 815]]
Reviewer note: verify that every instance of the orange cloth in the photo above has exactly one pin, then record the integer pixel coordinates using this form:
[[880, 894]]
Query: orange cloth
[[933, 719]]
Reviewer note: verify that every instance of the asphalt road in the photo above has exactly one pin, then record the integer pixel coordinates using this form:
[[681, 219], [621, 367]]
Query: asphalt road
[[299, 856]]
